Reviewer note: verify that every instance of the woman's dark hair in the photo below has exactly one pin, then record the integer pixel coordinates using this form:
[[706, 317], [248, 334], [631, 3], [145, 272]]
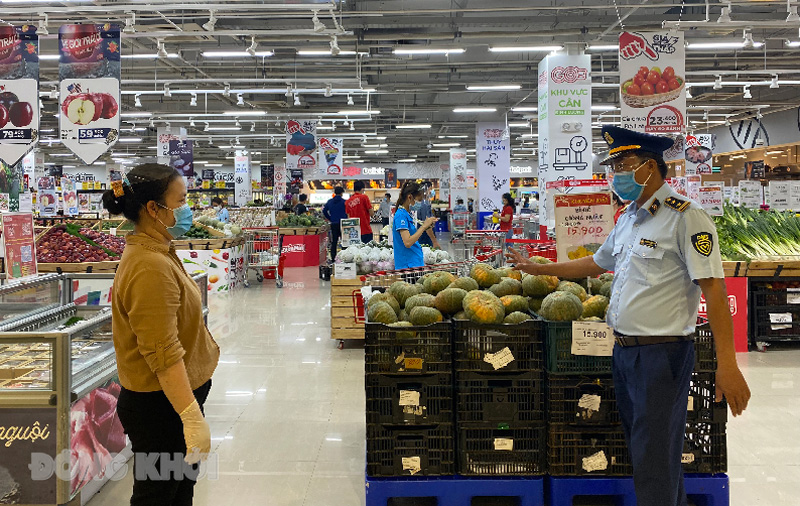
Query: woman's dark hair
[[409, 188], [338, 190], [510, 201], [144, 183], [216, 200]]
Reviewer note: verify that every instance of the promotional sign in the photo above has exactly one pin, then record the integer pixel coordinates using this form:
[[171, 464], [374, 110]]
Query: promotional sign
[[301, 144], [207, 175], [181, 157], [351, 231], [569, 187], [279, 190], [737, 300], [163, 139], [10, 181], [750, 194], [794, 195], [754, 170], [444, 183], [493, 149], [779, 192], [693, 184], [27, 481], [19, 245], [243, 189], [295, 181], [89, 70], [679, 185], [390, 178], [267, 176], [225, 268], [710, 197], [582, 224], [699, 151], [652, 81], [19, 91], [69, 197], [304, 250], [331, 152], [458, 175], [565, 123], [47, 198]]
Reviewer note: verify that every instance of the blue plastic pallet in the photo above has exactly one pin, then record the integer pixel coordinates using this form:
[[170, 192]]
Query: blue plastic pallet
[[455, 490], [703, 490]]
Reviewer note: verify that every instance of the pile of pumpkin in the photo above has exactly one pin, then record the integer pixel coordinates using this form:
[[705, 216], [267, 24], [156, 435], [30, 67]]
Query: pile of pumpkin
[[490, 296]]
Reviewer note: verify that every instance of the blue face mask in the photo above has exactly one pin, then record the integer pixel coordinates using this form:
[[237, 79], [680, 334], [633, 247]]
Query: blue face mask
[[183, 220], [626, 186]]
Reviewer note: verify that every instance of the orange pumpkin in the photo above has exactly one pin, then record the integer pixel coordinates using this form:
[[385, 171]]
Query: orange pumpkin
[[484, 307], [485, 275]]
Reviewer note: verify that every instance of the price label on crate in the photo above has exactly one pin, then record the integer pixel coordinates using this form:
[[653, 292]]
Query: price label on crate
[[503, 444], [500, 359], [596, 462], [594, 339], [780, 321], [412, 464], [409, 398], [793, 295]]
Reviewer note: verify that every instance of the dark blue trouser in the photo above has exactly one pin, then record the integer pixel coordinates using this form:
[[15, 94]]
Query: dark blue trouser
[[652, 389]]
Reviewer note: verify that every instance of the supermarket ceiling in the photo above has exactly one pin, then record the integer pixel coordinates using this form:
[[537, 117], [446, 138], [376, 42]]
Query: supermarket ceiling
[[233, 70]]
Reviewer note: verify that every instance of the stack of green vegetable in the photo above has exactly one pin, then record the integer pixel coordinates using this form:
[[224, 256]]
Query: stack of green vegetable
[[301, 221], [748, 233]]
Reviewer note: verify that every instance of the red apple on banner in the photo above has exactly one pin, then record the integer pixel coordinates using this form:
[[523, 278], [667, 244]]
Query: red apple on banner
[[662, 87], [8, 99], [668, 73], [653, 77], [83, 108], [639, 80], [21, 114], [3, 116], [80, 41], [634, 89], [647, 89], [674, 84], [110, 106]]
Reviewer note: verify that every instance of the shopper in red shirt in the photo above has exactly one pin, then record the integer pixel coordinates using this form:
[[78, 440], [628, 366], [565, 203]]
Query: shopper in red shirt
[[359, 206], [507, 216]]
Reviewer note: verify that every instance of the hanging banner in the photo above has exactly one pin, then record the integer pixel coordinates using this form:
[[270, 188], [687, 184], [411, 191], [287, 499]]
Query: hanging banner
[[653, 81], [710, 197], [19, 91], [583, 223], [69, 197], [331, 151], [181, 157], [163, 138], [301, 145], [699, 153], [90, 75], [279, 190], [565, 124], [390, 178], [493, 148], [693, 184], [243, 189], [267, 176], [458, 176], [444, 183]]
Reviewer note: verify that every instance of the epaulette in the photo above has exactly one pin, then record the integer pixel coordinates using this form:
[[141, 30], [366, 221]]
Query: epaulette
[[677, 204]]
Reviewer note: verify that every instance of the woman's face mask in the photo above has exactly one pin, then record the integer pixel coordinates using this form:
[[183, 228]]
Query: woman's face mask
[[183, 217]]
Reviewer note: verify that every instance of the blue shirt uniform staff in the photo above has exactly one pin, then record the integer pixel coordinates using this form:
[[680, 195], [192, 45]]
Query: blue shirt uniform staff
[[664, 252]]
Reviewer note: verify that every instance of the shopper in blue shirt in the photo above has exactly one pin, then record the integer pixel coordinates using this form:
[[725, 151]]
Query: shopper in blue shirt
[[335, 212], [405, 234], [222, 213]]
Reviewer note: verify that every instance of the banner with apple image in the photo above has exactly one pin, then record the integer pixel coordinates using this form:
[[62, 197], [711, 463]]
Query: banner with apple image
[[301, 144], [19, 91], [90, 76], [653, 81]]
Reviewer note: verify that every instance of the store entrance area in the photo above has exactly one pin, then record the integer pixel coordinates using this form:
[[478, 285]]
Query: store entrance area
[[287, 409]]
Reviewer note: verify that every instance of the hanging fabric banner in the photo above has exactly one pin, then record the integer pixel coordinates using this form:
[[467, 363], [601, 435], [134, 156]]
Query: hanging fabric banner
[[493, 148], [301, 144], [243, 188], [181, 157], [163, 138], [279, 190], [653, 81], [19, 91], [699, 151], [90, 76], [330, 161], [458, 176], [390, 178]]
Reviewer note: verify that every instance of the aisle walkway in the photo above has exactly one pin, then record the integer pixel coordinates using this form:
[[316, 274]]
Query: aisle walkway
[[287, 410]]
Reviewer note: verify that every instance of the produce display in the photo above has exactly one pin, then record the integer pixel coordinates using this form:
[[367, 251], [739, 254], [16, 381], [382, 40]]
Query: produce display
[[226, 228], [507, 301], [652, 82], [294, 220], [748, 233], [197, 232], [66, 244], [379, 256], [115, 244]]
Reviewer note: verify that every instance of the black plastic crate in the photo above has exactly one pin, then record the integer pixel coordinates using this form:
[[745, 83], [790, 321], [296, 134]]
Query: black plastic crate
[[582, 401], [404, 451], [410, 400], [705, 449], [503, 348], [492, 451], [589, 452], [408, 350], [560, 359], [704, 350], [509, 398], [702, 406]]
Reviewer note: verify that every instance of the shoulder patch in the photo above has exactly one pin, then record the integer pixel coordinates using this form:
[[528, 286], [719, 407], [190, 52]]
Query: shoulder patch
[[677, 204], [703, 243], [654, 207]]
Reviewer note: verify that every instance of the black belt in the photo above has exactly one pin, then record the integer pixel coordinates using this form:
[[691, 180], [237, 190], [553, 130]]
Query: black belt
[[626, 341]]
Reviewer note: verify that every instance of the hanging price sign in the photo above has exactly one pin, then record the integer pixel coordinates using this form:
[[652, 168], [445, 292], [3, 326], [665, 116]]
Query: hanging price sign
[[583, 222]]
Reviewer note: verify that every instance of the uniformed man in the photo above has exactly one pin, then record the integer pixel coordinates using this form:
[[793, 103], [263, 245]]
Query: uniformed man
[[664, 252]]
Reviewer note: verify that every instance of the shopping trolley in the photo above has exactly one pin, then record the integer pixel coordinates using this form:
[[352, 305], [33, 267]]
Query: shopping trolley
[[459, 223], [263, 253], [479, 242], [535, 247]]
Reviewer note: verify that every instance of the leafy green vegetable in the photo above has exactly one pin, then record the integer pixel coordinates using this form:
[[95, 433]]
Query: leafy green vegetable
[[748, 233]]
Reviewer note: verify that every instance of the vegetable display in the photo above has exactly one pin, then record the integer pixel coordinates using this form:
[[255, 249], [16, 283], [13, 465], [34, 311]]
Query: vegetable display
[[748, 233], [294, 220], [379, 256]]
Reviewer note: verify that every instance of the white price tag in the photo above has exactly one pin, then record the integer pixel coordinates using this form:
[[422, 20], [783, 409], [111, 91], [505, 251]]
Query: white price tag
[[793, 295], [500, 359], [780, 317], [690, 405], [503, 444], [596, 462], [409, 398], [412, 464], [594, 339], [687, 458], [590, 402]]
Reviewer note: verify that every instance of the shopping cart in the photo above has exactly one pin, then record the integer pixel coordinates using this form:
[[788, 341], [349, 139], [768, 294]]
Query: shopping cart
[[535, 247], [459, 223], [479, 242], [263, 253]]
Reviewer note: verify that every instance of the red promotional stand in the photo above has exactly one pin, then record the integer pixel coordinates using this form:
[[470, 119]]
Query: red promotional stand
[[304, 249]]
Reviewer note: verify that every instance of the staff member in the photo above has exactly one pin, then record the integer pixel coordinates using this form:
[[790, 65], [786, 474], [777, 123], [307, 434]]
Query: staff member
[[405, 235], [219, 208], [385, 210], [165, 353], [664, 251], [359, 206]]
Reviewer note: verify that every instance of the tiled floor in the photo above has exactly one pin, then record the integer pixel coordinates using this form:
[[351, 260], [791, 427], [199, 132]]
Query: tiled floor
[[287, 409]]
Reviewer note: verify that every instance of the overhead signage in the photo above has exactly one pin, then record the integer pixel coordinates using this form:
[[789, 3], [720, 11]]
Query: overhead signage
[[301, 144], [19, 91], [493, 150]]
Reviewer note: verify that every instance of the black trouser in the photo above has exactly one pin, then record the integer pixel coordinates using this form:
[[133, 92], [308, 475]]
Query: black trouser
[[336, 234], [154, 427], [384, 221], [365, 238]]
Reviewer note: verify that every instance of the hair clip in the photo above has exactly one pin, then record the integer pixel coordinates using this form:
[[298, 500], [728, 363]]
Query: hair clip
[[127, 182], [119, 191]]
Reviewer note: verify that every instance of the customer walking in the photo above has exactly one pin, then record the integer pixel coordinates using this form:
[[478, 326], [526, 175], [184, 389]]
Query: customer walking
[[334, 212], [407, 250], [425, 211], [507, 215], [385, 211], [165, 354], [665, 253], [359, 206]]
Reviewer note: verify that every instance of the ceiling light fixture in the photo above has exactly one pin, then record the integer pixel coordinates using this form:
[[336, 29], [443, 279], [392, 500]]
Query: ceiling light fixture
[[521, 124], [238, 125], [346, 122], [319, 122], [206, 129], [169, 128], [774, 84], [240, 100], [350, 100], [720, 45], [747, 39], [335, 46], [43, 25], [524, 109], [352, 127], [137, 100], [319, 26], [377, 152], [718, 83], [428, 51], [725, 15], [162, 50], [746, 93], [152, 124], [297, 100], [410, 126], [211, 24], [288, 93], [236, 54], [252, 127], [793, 17], [226, 91], [328, 90], [130, 24], [524, 49], [494, 87], [193, 101], [191, 122], [603, 47], [253, 45], [688, 92], [167, 92], [474, 109], [333, 126]]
